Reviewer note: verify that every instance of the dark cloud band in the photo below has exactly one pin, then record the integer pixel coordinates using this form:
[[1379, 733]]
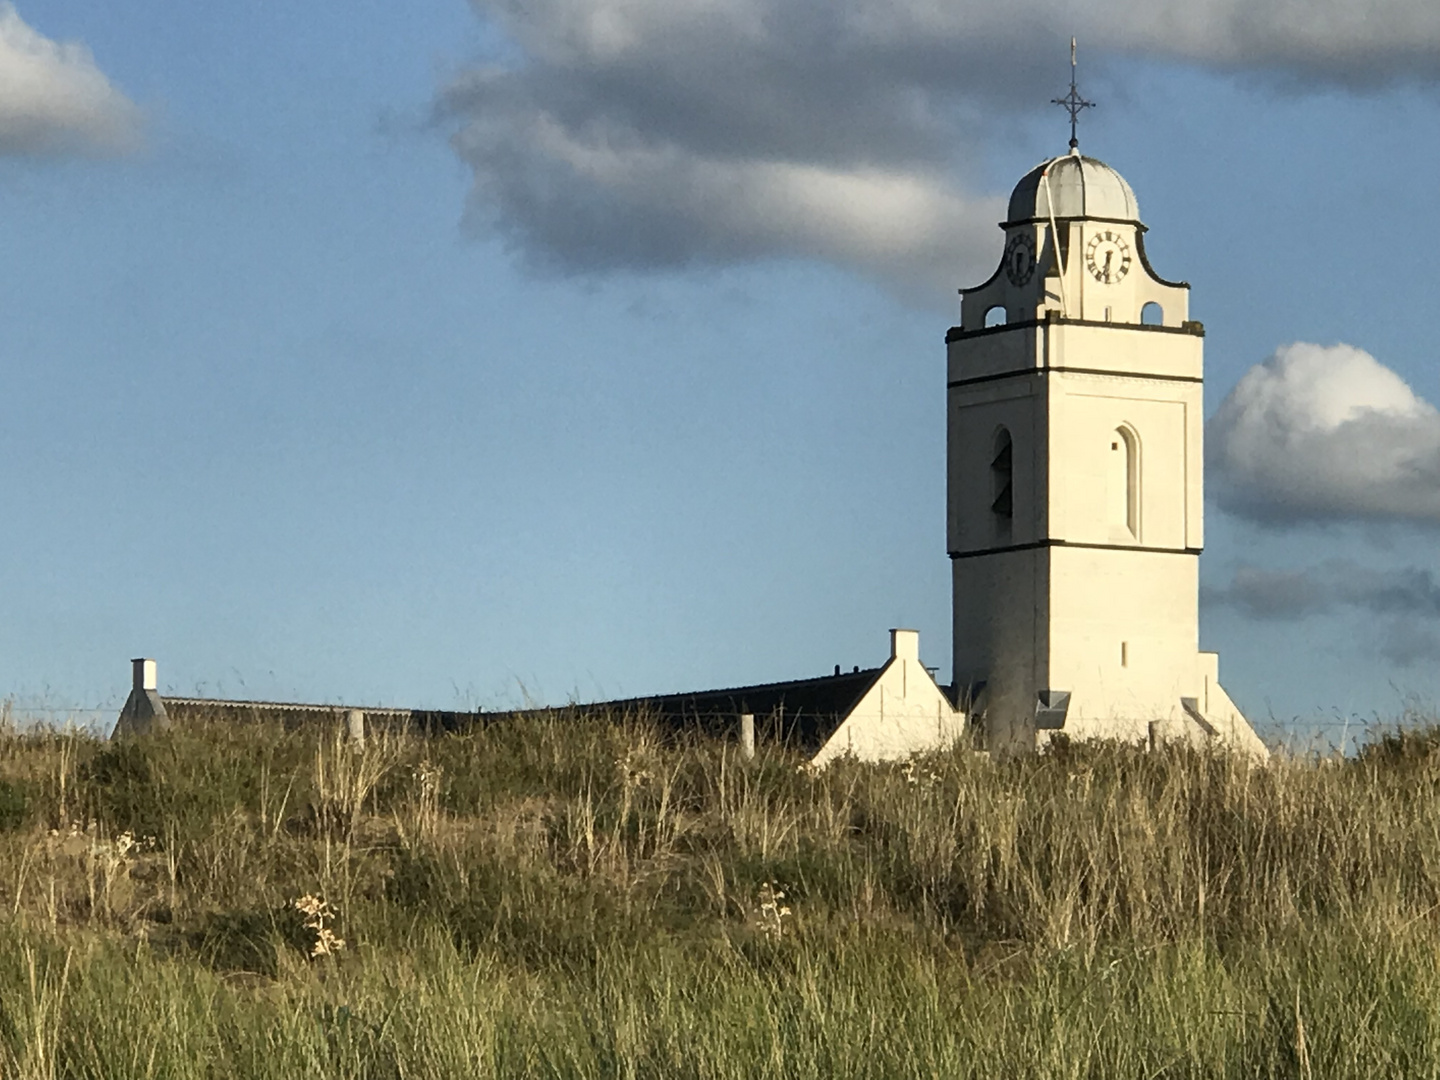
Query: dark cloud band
[[1404, 601]]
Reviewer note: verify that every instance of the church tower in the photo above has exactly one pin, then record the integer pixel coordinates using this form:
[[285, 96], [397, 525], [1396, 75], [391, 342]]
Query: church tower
[[1075, 486]]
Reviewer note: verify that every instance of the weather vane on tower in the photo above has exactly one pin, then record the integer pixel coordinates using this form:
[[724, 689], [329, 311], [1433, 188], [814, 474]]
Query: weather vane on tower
[[1073, 102]]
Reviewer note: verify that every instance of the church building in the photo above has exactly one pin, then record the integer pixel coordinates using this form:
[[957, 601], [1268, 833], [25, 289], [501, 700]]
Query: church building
[[1075, 516]]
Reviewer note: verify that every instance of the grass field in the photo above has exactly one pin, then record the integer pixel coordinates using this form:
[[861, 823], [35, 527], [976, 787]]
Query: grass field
[[575, 897]]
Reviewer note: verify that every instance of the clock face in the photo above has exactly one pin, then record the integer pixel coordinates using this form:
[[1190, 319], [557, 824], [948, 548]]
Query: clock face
[[1020, 259], [1107, 258]]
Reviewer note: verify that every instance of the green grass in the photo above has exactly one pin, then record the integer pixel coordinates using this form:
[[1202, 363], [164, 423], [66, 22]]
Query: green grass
[[577, 897]]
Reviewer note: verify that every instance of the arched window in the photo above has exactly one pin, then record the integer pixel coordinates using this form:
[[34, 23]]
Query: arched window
[[1152, 314], [995, 316], [1123, 483], [1002, 484]]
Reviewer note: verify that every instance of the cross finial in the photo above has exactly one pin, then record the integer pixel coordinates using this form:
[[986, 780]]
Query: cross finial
[[1074, 104]]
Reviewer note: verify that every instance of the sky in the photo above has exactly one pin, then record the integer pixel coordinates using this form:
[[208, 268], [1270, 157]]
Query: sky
[[474, 355]]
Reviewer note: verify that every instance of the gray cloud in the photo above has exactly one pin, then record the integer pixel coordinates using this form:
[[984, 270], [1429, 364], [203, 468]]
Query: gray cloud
[[54, 100], [1405, 643], [1317, 590], [1405, 602], [586, 187], [1317, 434], [648, 134]]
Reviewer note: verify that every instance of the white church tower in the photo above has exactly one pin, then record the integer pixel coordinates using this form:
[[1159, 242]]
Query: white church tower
[[1075, 502]]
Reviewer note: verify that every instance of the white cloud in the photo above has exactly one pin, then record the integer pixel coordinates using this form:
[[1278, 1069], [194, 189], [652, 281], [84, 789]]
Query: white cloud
[[54, 100], [639, 134], [1317, 433]]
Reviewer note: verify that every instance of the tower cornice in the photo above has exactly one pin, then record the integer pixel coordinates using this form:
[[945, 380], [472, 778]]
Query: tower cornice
[[1111, 373], [1191, 328], [1067, 218]]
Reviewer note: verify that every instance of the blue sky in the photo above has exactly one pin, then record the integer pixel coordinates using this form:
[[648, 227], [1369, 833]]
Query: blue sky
[[471, 354]]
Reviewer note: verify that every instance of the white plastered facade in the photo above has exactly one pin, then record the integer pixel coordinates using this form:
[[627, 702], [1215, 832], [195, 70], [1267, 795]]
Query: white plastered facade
[[1075, 465], [902, 713]]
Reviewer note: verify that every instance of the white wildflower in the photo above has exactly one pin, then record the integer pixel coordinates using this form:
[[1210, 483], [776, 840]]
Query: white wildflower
[[771, 914], [317, 913]]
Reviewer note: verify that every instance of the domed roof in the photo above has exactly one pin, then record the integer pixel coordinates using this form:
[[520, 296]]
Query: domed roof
[[1080, 187]]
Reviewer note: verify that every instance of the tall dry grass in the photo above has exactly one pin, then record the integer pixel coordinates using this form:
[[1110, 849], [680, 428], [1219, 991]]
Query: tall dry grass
[[582, 897]]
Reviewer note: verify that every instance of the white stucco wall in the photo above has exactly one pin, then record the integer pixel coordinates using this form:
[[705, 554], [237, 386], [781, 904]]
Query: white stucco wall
[[1001, 605], [1123, 637]]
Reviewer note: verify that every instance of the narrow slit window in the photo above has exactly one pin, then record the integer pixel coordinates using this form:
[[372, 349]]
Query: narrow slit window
[[1002, 481]]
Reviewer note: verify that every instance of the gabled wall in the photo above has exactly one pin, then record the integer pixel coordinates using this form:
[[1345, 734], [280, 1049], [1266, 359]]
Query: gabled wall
[[903, 713]]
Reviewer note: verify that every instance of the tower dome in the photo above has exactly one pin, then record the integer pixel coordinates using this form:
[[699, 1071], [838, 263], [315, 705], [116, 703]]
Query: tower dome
[[1080, 187]]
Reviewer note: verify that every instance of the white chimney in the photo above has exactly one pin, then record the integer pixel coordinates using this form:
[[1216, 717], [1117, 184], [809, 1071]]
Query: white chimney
[[143, 675], [905, 645]]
